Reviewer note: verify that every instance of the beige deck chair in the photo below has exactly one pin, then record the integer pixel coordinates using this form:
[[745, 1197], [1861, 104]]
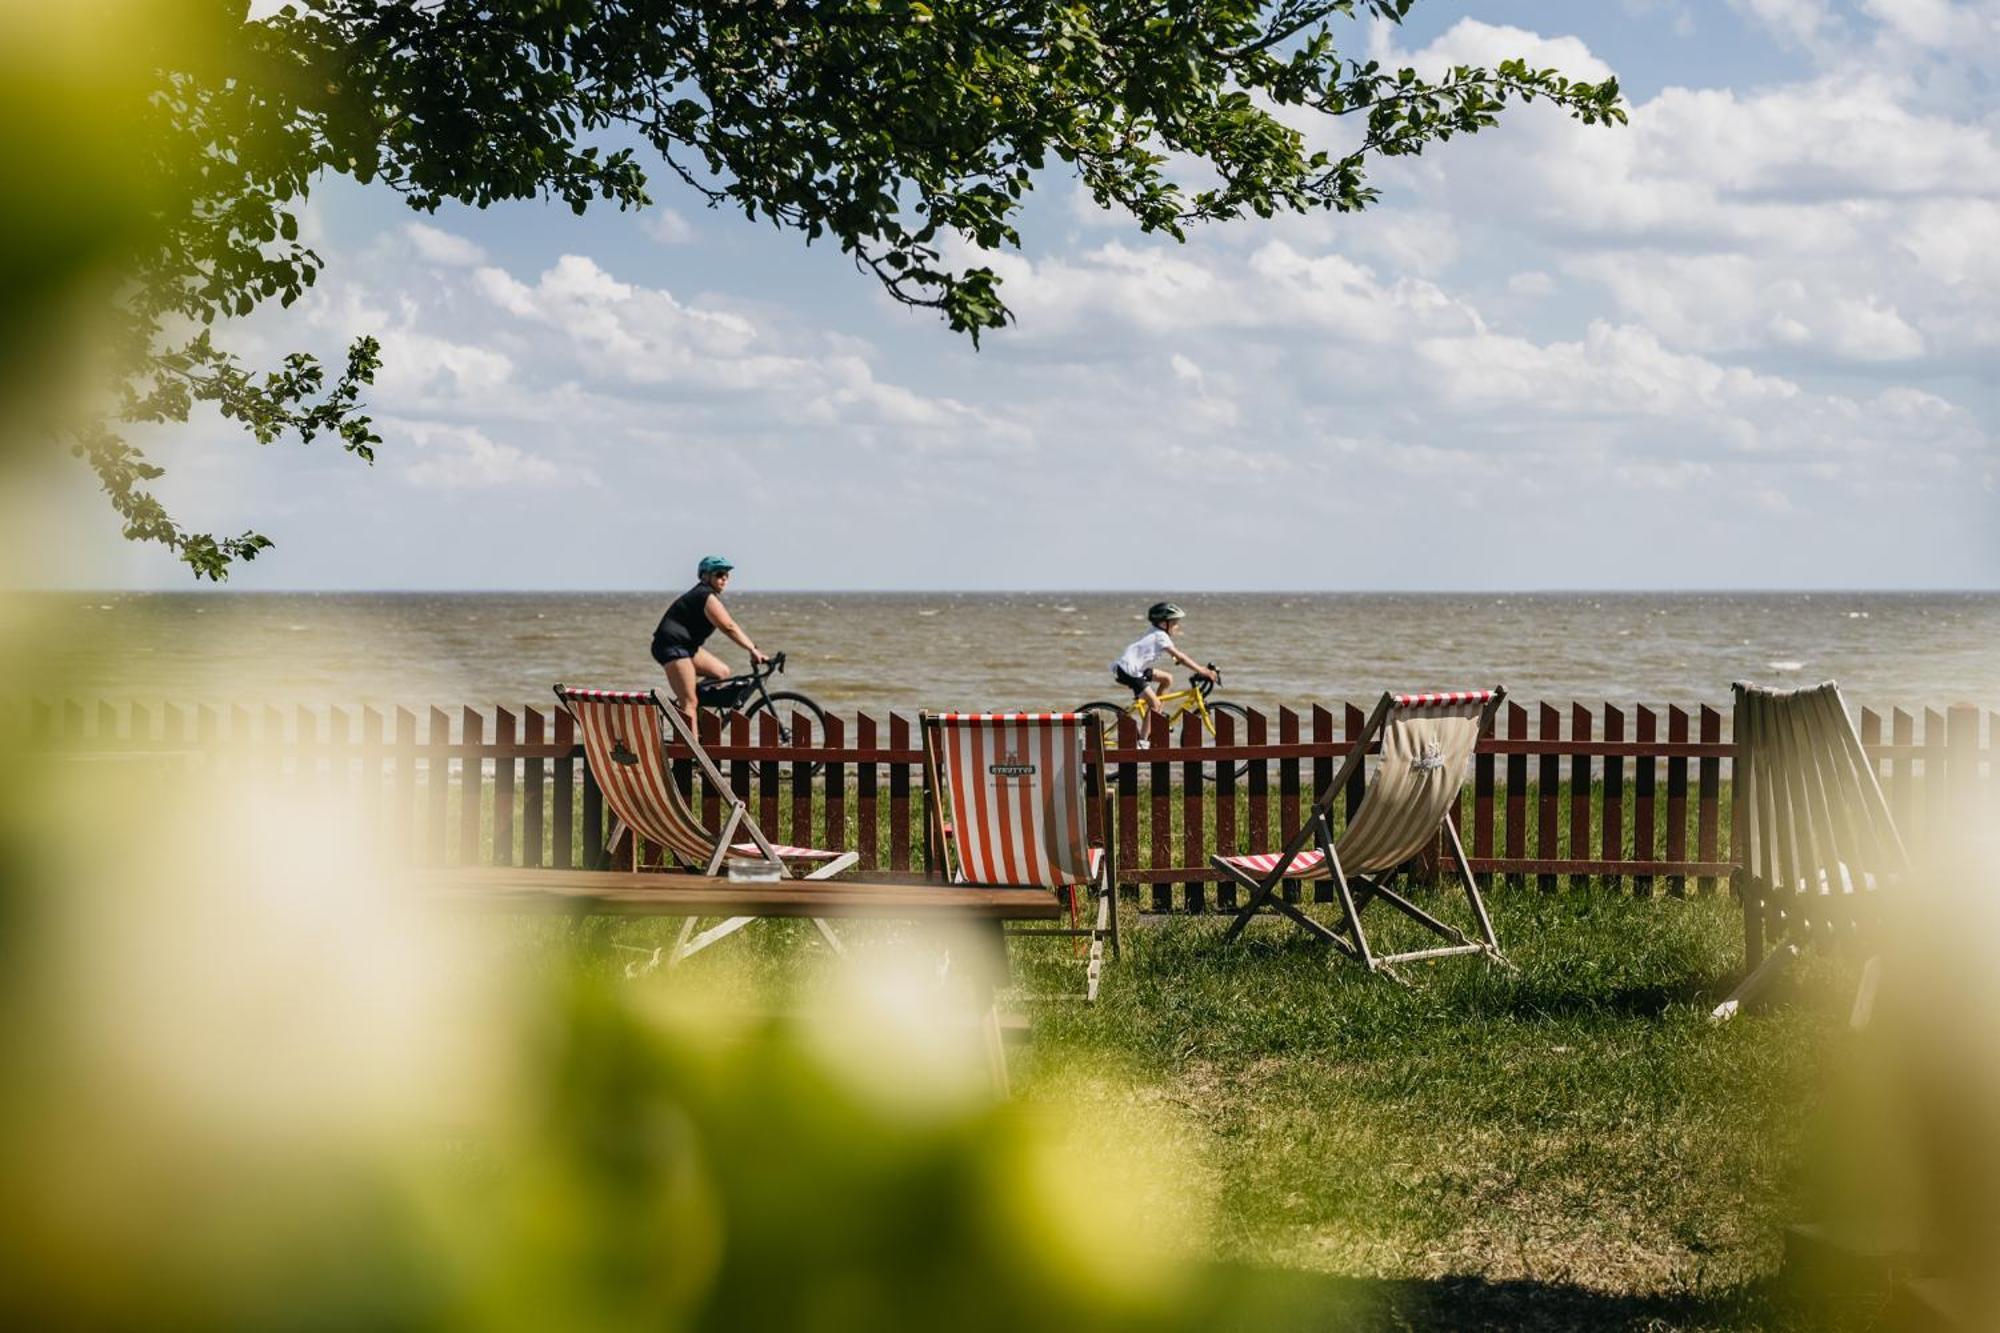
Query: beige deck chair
[[1007, 809], [1814, 842], [624, 746], [1427, 741]]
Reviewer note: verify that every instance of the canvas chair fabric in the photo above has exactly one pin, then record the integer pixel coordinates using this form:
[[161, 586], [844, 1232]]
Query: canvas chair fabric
[[1427, 741], [622, 742], [1014, 790], [625, 747], [1814, 837]]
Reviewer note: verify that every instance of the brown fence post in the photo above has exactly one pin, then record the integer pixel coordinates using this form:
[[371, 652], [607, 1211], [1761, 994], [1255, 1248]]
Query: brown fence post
[[1962, 731], [1288, 790], [1645, 827], [1128, 804], [834, 780], [534, 782], [1937, 785], [1709, 816], [437, 784], [866, 777], [1548, 795], [1677, 798], [1193, 793], [504, 756], [562, 803], [1517, 791], [1581, 723], [1613, 845], [1225, 808], [899, 798], [1160, 739], [767, 776], [801, 833], [471, 786]]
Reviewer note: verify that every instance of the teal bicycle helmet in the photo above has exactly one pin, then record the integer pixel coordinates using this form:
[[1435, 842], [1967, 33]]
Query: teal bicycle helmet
[[712, 564]]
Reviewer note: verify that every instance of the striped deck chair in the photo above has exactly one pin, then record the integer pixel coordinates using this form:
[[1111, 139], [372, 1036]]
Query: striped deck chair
[[1814, 840], [1007, 809], [624, 746], [1427, 741]]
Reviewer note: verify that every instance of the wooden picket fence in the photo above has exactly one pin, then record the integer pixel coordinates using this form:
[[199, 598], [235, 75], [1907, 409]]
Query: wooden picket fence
[[1616, 798]]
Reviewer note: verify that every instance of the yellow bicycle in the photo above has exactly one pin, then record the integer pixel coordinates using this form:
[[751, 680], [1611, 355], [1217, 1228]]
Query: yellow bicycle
[[1177, 704]]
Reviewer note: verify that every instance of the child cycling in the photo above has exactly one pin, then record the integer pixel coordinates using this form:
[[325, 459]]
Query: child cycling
[[1135, 668]]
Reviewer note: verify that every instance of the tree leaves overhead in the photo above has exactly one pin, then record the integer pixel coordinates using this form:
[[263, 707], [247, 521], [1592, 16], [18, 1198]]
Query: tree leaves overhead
[[903, 131]]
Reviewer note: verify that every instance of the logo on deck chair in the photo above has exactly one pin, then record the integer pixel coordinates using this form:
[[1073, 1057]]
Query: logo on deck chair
[[1011, 766], [621, 753], [1431, 758]]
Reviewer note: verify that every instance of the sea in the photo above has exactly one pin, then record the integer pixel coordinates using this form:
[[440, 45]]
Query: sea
[[875, 651]]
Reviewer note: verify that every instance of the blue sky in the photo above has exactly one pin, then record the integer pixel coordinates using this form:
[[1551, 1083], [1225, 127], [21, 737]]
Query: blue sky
[[1747, 341]]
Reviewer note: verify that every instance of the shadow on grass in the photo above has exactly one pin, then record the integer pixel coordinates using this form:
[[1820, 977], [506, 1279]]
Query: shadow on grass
[[1276, 1301]]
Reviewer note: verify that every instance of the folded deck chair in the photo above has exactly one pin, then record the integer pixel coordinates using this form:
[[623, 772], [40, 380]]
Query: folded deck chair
[[1427, 740], [1812, 833], [623, 744], [1007, 809]]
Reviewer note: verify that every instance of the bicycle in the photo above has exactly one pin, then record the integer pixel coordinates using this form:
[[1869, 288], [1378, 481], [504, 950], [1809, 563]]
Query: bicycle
[[728, 697], [1178, 704]]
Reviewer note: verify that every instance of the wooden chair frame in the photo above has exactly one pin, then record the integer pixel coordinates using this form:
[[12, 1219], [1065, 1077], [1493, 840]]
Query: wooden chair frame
[[738, 819], [1104, 926], [1813, 837], [1355, 893]]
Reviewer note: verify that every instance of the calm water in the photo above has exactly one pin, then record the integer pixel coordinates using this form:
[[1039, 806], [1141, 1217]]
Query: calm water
[[878, 651]]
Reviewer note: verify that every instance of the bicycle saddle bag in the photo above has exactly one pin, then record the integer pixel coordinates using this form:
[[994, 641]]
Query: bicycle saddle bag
[[724, 695]]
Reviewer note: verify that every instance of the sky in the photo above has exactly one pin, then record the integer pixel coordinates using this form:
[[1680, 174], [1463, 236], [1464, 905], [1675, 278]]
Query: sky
[[1747, 341]]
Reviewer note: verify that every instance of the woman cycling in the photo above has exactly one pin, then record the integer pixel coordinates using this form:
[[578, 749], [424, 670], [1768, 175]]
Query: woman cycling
[[695, 614]]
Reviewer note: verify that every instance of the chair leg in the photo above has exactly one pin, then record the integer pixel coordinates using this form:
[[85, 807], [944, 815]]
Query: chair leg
[[1754, 984], [712, 934], [833, 940], [1864, 994], [1359, 949], [1472, 894]]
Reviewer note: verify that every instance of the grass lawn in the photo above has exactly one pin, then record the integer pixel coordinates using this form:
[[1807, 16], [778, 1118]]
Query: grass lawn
[[1566, 1145]]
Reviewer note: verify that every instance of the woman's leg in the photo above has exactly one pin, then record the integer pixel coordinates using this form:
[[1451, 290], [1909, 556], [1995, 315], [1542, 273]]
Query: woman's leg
[[680, 683], [708, 664]]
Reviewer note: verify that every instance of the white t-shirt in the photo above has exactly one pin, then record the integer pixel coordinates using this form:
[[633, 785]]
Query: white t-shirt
[[1139, 658]]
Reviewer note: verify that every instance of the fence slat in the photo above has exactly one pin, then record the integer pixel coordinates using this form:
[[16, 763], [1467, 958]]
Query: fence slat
[[437, 785], [1259, 831], [562, 800], [1128, 798], [1288, 789], [1581, 724], [1548, 797], [1709, 817], [767, 776], [471, 786], [835, 785], [1644, 825], [1613, 843], [1937, 791], [1322, 773], [503, 787], [1902, 773], [801, 832], [1225, 809], [1194, 796], [1482, 805], [1160, 736], [899, 797], [1677, 800], [1517, 789], [866, 778], [534, 784]]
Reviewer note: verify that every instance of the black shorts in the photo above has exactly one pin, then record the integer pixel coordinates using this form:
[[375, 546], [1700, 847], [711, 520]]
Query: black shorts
[[1137, 684], [664, 653]]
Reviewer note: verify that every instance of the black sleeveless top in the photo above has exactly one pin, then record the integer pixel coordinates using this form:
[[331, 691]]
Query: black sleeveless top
[[686, 623]]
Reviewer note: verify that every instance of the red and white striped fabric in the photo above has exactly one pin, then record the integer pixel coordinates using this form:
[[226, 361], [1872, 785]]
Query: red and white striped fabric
[[1308, 864], [1016, 792], [1441, 700], [622, 743]]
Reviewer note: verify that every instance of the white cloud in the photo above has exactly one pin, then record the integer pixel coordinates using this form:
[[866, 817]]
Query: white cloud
[[465, 458], [666, 226], [436, 246]]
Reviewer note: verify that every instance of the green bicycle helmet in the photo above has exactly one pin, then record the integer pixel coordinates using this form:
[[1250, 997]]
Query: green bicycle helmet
[[712, 564], [1164, 611]]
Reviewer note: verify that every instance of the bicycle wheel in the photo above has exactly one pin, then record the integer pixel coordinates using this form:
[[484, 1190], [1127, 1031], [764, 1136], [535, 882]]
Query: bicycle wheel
[[1241, 717], [799, 703], [1110, 713]]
